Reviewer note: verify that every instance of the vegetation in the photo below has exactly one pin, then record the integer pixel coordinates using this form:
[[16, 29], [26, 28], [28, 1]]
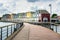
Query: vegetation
[[54, 15]]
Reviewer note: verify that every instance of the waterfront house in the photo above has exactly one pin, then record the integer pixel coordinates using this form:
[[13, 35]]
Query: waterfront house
[[54, 20], [27, 16], [39, 16], [6, 17], [31, 16], [14, 16], [36, 16], [58, 18], [22, 15], [43, 15]]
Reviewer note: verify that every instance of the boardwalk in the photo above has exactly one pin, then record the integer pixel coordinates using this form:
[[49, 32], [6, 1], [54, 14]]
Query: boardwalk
[[35, 32]]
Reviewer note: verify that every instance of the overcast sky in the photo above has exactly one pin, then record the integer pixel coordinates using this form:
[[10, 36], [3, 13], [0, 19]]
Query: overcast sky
[[17, 6]]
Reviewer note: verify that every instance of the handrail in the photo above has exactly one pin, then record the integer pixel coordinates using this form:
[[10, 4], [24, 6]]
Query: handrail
[[6, 26], [9, 30], [45, 24]]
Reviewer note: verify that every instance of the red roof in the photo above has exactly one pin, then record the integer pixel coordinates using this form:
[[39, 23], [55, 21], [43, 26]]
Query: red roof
[[58, 17]]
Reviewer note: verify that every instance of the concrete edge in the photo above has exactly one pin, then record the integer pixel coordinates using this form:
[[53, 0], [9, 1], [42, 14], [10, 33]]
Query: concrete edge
[[14, 34]]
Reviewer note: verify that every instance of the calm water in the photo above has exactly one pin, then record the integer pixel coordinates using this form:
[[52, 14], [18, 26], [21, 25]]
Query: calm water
[[4, 30], [4, 24], [54, 27]]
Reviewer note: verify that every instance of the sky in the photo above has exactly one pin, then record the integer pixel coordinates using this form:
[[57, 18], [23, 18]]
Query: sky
[[17, 6]]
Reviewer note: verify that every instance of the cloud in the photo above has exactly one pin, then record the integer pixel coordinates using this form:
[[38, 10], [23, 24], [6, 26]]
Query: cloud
[[47, 0], [40, 0], [33, 0], [58, 3], [7, 6], [1, 4], [16, 6], [3, 11]]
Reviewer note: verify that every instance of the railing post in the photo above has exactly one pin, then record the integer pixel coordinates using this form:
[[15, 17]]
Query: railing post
[[50, 25], [11, 29], [52, 28], [15, 28], [22, 24], [7, 31], [56, 28], [1, 33]]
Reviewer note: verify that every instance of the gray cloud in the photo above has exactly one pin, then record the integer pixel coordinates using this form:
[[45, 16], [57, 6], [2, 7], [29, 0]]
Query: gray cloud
[[8, 7], [1, 4], [40, 0], [47, 0], [3, 10], [33, 0], [58, 3]]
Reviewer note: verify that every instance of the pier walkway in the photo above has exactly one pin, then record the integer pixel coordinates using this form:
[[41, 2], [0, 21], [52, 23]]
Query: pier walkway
[[35, 32]]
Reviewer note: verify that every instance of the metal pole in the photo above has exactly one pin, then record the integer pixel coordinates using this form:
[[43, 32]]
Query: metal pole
[[50, 8], [7, 31], [50, 11], [1, 33], [11, 29], [56, 28]]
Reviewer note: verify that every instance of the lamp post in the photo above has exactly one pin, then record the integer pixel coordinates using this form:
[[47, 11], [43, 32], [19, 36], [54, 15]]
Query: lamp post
[[50, 14], [50, 8], [50, 11]]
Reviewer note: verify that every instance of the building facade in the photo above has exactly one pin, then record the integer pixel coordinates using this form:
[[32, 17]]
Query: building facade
[[44, 16], [58, 18], [7, 16], [38, 16]]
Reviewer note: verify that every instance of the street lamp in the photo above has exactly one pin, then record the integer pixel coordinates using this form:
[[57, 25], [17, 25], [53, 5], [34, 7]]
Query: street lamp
[[50, 8], [50, 13]]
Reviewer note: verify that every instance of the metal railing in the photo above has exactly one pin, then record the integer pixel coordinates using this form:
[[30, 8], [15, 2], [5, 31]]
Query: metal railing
[[8, 30], [53, 26], [56, 27]]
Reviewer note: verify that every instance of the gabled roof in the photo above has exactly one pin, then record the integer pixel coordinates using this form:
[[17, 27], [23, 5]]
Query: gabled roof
[[40, 11], [58, 17], [30, 12], [43, 11], [6, 15]]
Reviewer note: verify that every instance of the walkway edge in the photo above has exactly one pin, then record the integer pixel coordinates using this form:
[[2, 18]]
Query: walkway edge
[[14, 34]]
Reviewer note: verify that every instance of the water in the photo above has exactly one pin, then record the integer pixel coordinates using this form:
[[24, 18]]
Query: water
[[56, 28], [4, 29], [4, 24]]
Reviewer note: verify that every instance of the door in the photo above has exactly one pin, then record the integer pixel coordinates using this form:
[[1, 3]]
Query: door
[[45, 19]]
